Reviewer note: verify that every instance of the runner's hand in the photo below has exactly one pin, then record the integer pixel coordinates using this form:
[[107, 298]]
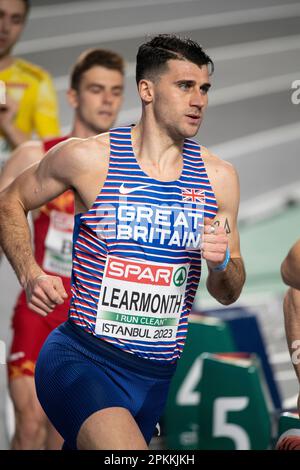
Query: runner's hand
[[44, 293], [8, 112], [214, 243], [289, 441]]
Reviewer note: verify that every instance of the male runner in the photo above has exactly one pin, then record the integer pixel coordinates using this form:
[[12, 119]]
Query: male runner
[[290, 272], [30, 101], [95, 94], [143, 197]]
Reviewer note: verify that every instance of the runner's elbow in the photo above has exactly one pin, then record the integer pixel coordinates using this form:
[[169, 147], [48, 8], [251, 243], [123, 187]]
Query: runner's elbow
[[9, 202], [228, 299], [285, 272]]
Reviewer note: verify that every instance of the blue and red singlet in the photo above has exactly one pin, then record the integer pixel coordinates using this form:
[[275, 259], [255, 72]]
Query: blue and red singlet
[[136, 254]]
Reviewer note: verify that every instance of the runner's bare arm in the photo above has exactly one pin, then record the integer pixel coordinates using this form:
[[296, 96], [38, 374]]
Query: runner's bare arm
[[21, 158], [291, 308], [59, 170], [225, 286], [290, 268]]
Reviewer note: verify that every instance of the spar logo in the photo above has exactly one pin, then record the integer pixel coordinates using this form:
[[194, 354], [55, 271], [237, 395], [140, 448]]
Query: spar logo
[[180, 276], [135, 271]]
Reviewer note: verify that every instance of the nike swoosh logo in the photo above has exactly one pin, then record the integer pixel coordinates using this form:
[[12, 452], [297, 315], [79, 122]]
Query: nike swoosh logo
[[124, 190]]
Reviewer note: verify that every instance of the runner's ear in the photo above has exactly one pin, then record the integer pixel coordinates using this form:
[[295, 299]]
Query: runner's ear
[[146, 91], [72, 96]]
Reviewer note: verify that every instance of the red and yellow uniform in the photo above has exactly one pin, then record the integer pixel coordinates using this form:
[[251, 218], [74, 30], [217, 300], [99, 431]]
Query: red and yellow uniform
[[32, 88], [53, 230]]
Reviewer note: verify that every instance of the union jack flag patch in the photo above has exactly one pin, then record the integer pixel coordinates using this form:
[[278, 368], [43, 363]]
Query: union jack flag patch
[[193, 195]]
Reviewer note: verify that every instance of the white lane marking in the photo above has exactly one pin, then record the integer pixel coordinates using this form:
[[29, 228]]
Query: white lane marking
[[290, 402], [280, 357], [76, 8], [259, 207], [235, 148], [243, 91], [232, 94], [258, 141], [218, 54], [286, 375], [255, 48], [168, 26]]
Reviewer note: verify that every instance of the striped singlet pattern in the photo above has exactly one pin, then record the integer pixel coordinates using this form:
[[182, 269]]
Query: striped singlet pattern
[[136, 253]]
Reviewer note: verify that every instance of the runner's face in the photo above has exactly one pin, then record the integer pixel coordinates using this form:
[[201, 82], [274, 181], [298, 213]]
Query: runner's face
[[181, 97], [12, 19], [99, 98]]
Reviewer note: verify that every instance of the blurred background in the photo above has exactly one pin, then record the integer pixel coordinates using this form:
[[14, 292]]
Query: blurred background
[[251, 121]]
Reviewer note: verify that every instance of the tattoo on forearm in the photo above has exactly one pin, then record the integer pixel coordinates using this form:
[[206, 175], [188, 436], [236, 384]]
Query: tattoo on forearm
[[227, 227], [217, 223]]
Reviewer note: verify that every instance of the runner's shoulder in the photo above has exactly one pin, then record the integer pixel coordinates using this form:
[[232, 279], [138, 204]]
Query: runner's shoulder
[[28, 152], [217, 166], [79, 155], [103, 141], [92, 146], [30, 145]]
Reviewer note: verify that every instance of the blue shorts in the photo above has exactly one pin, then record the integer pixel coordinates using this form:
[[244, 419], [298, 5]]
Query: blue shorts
[[77, 374]]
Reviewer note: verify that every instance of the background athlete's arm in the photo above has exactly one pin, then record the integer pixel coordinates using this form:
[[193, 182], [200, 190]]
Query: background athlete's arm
[[291, 309], [34, 187], [290, 268], [8, 112], [21, 158], [290, 271], [225, 286]]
